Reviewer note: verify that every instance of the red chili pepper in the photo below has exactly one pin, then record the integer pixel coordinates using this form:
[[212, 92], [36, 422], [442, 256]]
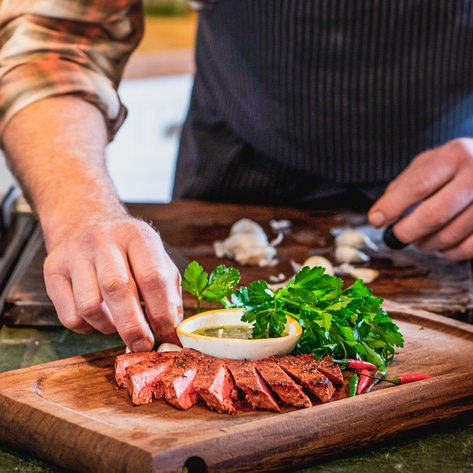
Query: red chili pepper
[[364, 381], [408, 378], [356, 364]]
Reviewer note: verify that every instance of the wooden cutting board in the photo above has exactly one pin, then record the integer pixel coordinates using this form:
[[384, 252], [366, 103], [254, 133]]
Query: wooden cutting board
[[71, 413]]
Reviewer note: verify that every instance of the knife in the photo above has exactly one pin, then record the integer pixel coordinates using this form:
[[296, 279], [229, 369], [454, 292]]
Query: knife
[[391, 240]]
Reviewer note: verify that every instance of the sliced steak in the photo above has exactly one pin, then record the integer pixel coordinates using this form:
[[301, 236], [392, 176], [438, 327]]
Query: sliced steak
[[288, 391], [127, 359], [304, 370], [215, 384], [327, 367], [178, 380], [144, 379], [253, 386]]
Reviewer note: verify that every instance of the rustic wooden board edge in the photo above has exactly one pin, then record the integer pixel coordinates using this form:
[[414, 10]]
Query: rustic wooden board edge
[[415, 314], [348, 428]]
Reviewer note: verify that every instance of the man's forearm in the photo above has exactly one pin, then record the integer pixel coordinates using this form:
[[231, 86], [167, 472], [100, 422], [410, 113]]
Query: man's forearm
[[56, 148]]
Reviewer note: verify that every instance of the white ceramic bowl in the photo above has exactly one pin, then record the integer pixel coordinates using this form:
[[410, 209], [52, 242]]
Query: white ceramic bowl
[[234, 348]]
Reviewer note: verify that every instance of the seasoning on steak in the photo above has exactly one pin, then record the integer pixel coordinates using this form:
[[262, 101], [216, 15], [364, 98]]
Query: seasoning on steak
[[215, 385], [184, 377], [288, 391], [144, 380], [327, 367], [304, 370], [127, 359], [253, 386], [178, 380]]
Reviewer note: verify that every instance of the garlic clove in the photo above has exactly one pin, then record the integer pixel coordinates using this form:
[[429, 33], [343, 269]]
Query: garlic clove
[[355, 239], [168, 347], [248, 227], [367, 275], [315, 260], [349, 254]]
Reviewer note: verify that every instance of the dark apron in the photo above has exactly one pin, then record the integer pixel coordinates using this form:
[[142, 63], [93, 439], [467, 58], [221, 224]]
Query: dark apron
[[299, 101]]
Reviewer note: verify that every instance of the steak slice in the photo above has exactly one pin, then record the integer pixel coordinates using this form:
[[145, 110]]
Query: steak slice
[[290, 393], [305, 371], [253, 386], [178, 380], [215, 384], [326, 366], [123, 361], [144, 380]]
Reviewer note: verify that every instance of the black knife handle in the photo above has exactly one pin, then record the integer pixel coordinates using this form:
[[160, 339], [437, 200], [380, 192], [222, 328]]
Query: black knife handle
[[392, 240]]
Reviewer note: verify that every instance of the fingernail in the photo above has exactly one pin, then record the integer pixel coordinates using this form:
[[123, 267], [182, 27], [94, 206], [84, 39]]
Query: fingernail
[[377, 219], [141, 345]]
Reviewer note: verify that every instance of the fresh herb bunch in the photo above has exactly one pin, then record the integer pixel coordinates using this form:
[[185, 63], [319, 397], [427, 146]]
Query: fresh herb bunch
[[343, 323]]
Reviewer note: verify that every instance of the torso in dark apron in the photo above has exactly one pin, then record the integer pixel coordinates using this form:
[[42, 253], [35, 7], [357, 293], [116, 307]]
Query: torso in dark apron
[[300, 100]]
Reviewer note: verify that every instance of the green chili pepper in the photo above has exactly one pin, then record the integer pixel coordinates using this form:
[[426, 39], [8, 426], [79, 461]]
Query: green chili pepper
[[353, 384]]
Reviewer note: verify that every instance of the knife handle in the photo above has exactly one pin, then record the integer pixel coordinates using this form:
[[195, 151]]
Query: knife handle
[[391, 240]]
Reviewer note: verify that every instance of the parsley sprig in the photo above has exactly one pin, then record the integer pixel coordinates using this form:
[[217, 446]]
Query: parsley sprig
[[216, 287], [343, 323]]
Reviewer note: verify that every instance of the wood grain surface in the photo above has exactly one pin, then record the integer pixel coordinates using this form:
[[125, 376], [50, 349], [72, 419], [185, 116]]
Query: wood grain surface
[[71, 413], [190, 228]]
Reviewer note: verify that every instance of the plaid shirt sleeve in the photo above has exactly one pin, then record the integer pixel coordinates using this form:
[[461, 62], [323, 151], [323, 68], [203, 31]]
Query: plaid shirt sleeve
[[57, 47]]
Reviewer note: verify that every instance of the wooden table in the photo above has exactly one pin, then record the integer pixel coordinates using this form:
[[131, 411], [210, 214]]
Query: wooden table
[[191, 227]]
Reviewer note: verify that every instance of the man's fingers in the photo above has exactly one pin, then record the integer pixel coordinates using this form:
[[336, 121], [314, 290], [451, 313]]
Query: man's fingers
[[159, 284], [59, 290], [121, 296], [427, 173]]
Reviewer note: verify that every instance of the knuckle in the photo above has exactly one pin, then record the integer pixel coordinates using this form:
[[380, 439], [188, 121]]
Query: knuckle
[[151, 278], [434, 217], [74, 322], [156, 278], [90, 310], [115, 284]]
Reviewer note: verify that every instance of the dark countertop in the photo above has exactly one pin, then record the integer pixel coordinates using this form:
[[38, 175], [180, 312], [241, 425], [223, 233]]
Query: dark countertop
[[440, 448]]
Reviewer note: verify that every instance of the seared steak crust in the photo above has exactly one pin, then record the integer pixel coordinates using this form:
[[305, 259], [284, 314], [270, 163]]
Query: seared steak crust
[[305, 371], [250, 382], [184, 377], [288, 391], [327, 367]]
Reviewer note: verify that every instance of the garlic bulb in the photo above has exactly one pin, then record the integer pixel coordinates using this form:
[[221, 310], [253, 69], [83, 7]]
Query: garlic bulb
[[247, 244]]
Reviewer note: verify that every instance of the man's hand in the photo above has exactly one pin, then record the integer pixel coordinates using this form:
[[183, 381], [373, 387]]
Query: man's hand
[[96, 276], [440, 181], [101, 262]]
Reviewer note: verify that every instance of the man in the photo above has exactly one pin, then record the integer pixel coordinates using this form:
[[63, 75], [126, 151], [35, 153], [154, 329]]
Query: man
[[302, 102]]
